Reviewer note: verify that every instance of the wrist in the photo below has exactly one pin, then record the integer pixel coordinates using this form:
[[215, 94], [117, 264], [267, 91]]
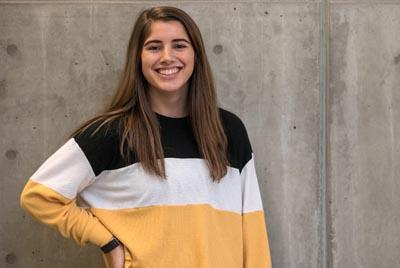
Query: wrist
[[113, 243]]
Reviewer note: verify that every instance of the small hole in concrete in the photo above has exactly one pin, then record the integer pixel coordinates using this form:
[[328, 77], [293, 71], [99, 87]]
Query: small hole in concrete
[[12, 50], [294, 127], [266, 13], [234, 8], [11, 258], [2, 88], [218, 49], [11, 154], [397, 59]]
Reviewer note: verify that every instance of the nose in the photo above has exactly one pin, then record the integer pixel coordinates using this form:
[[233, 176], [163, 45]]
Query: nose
[[167, 54]]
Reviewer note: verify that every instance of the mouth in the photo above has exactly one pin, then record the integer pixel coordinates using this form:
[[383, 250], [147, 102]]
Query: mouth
[[168, 72]]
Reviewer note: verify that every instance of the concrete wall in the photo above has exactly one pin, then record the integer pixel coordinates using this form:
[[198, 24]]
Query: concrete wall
[[316, 83]]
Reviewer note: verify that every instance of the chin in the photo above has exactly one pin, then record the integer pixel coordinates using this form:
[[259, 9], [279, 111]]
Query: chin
[[169, 89]]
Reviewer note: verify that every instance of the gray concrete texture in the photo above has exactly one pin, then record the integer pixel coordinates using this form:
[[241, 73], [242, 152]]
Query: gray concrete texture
[[316, 83], [364, 149]]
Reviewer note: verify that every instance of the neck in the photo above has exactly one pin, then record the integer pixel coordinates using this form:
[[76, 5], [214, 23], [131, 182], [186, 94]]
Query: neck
[[171, 104]]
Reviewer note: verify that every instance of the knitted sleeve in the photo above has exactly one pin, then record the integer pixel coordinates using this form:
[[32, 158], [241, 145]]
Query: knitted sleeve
[[255, 239], [256, 252], [50, 193]]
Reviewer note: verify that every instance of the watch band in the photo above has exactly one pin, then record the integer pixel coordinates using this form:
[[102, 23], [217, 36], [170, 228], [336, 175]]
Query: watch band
[[110, 245]]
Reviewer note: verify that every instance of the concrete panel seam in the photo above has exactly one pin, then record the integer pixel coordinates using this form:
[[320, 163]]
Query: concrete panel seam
[[324, 256]]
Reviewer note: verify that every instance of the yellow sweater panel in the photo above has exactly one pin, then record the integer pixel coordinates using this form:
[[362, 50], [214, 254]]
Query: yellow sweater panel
[[184, 236]]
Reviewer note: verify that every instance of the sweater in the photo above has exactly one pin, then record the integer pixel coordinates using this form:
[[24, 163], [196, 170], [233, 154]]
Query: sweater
[[90, 194]]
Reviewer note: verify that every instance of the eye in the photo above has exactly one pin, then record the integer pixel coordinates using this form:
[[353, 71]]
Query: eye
[[180, 46], [153, 48]]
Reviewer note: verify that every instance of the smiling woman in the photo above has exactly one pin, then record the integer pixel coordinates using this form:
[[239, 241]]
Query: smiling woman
[[167, 64], [167, 177]]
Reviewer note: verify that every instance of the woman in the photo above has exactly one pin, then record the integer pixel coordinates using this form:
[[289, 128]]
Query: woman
[[167, 177]]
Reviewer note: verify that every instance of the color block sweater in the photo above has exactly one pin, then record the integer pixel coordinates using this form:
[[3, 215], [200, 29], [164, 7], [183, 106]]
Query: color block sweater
[[186, 221]]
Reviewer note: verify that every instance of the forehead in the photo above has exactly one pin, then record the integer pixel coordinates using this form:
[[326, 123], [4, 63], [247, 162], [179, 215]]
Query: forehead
[[167, 30]]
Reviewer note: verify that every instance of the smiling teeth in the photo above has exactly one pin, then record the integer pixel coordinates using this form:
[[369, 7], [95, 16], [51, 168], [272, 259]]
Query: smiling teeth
[[168, 71]]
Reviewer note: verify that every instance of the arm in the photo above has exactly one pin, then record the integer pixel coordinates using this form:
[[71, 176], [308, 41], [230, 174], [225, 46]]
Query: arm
[[256, 252], [115, 258], [255, 238], [50, 196]]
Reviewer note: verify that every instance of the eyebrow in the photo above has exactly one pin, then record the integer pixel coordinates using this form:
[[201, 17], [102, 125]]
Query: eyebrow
[[158, 41]]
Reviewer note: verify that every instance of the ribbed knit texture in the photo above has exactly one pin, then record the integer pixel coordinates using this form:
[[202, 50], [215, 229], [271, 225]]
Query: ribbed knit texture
[[186, 221]]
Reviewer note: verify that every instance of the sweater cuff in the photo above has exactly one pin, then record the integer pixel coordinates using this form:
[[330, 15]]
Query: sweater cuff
[[100, 235]]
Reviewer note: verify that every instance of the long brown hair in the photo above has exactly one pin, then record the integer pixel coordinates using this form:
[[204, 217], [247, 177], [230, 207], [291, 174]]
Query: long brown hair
[[140, 131]]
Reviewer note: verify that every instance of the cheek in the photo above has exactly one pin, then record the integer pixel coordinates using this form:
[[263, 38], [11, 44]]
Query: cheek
[[146, 59], [143, 62], [190, 61], [146, 65], [192, 66]]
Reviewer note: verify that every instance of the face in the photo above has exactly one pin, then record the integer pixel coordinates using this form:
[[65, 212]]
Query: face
[[167, 57]]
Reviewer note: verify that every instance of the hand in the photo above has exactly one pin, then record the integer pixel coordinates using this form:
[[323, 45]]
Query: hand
[[116, 257]]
